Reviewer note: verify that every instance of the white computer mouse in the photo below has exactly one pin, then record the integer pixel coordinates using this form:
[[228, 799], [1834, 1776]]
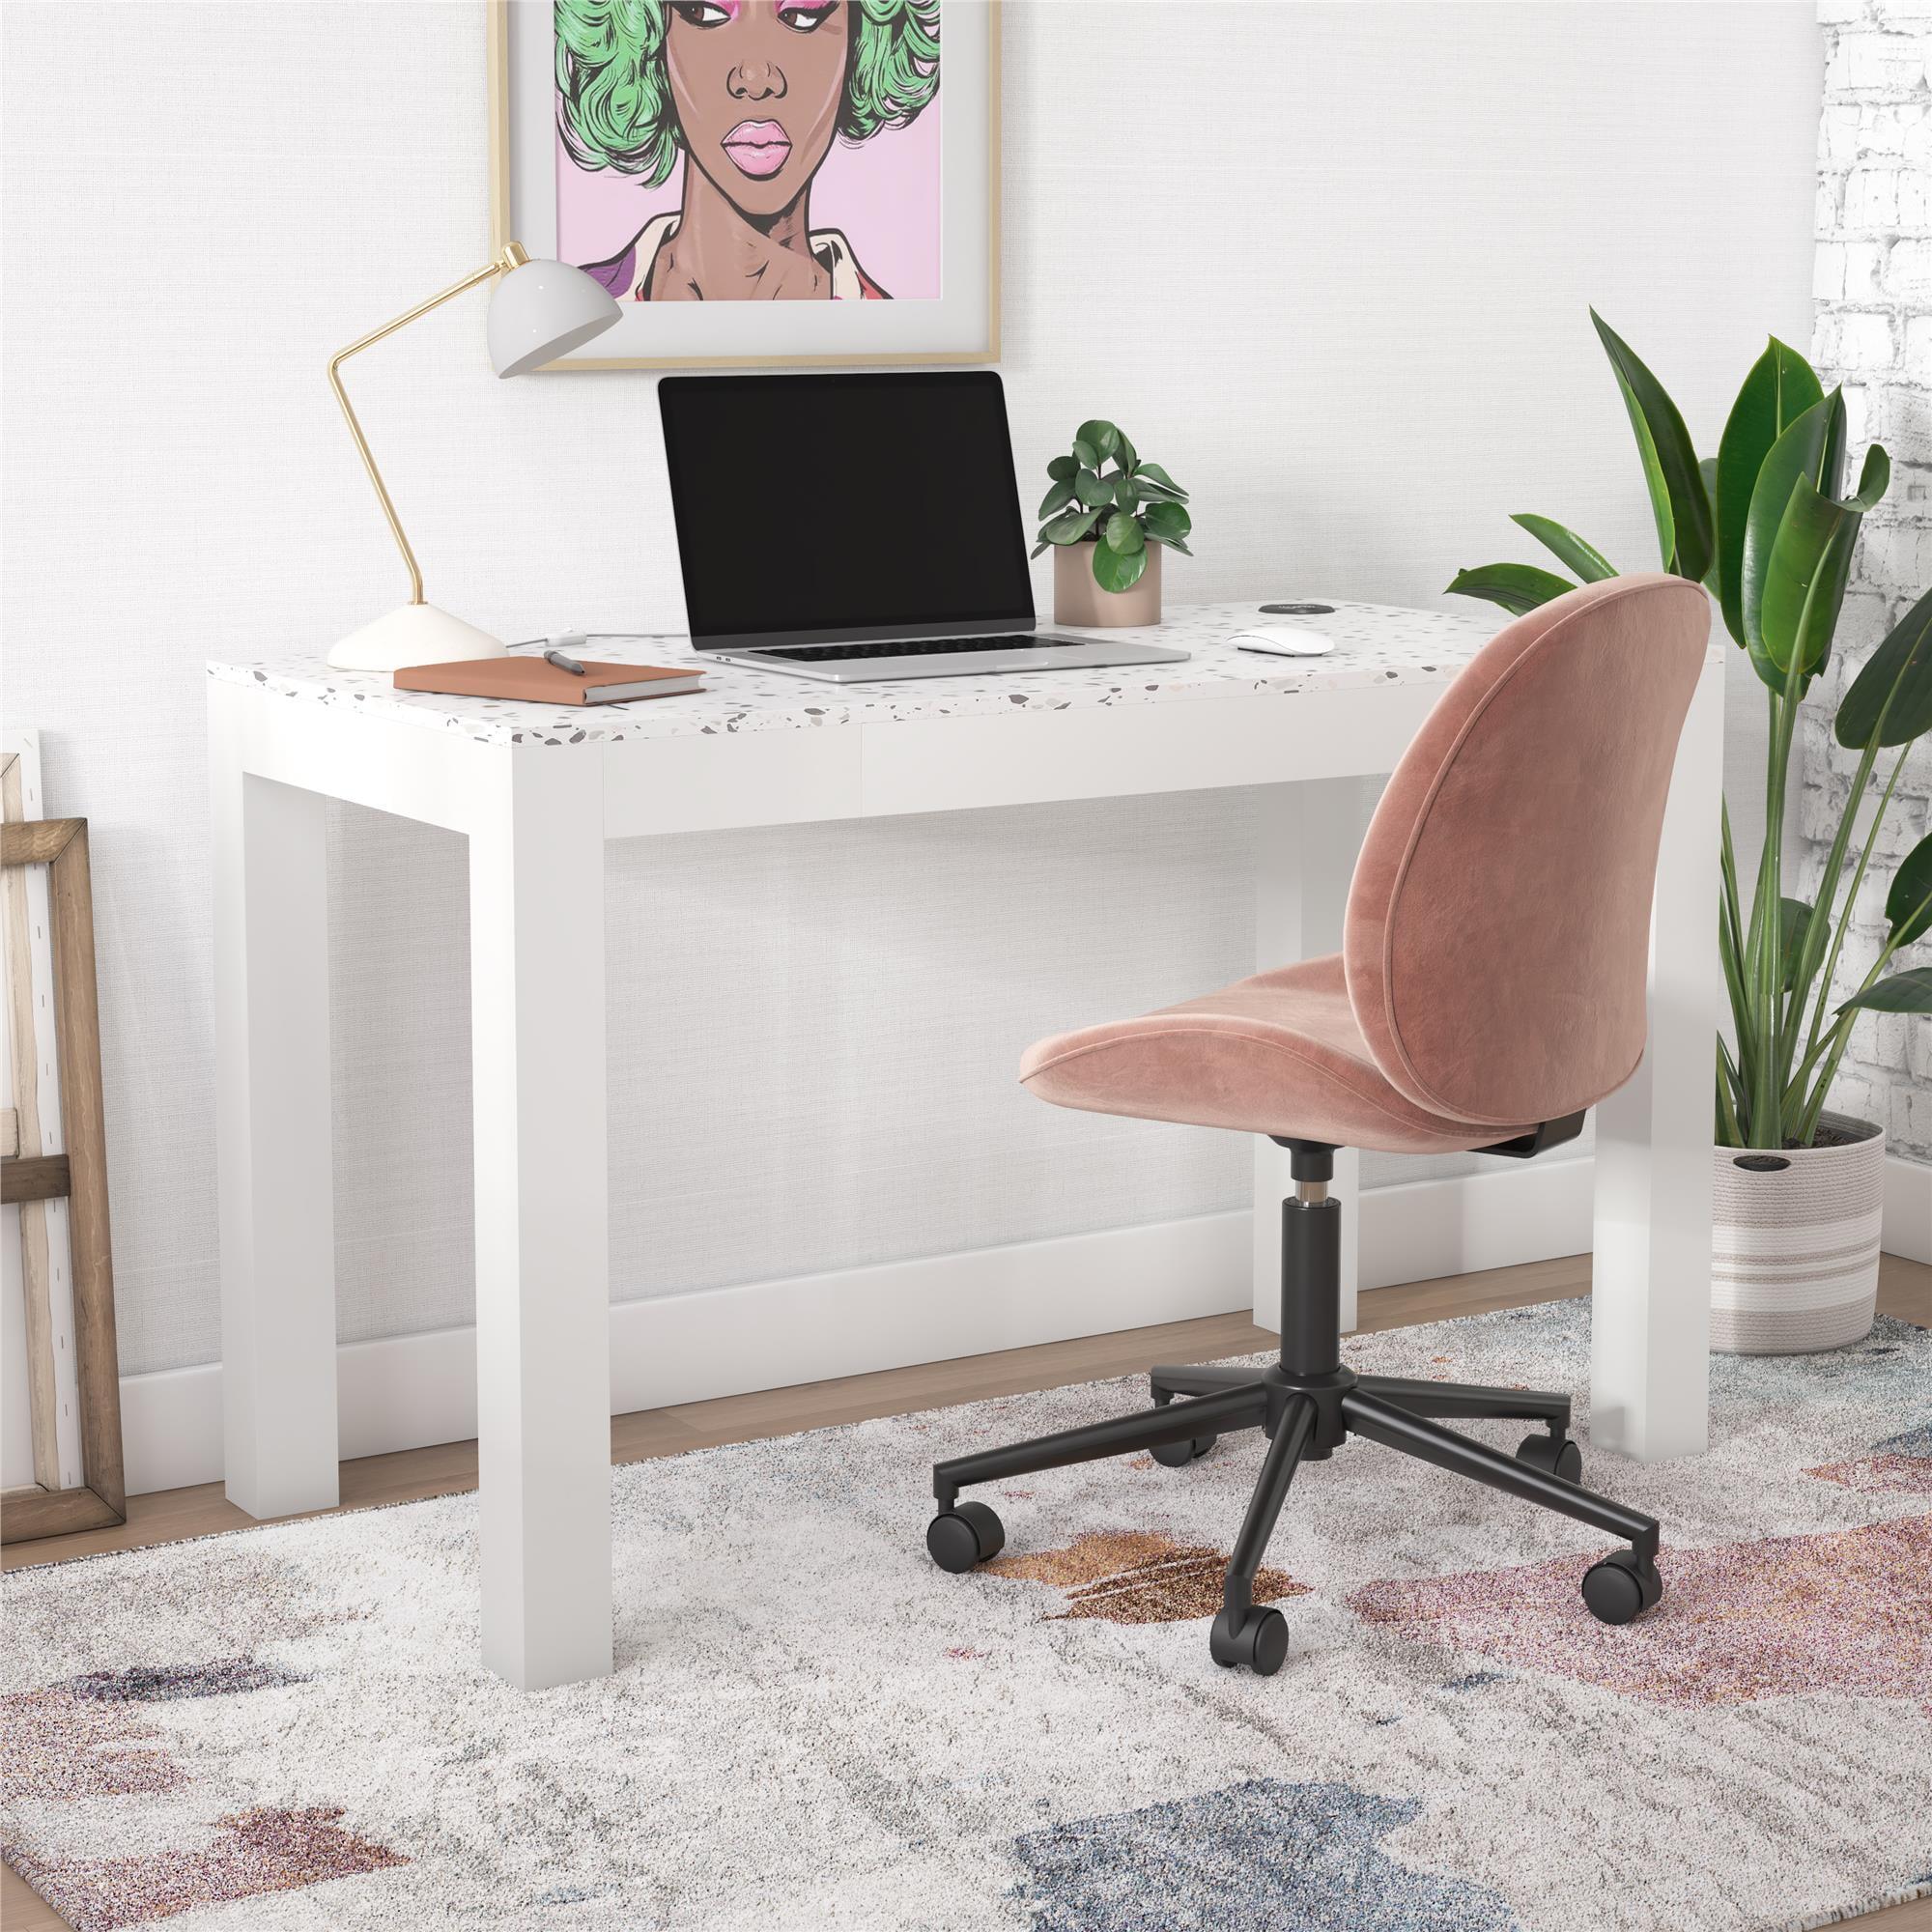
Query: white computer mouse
[[1283, 641]]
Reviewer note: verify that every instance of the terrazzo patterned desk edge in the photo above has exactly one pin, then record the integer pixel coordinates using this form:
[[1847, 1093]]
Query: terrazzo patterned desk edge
[[1374, 643]]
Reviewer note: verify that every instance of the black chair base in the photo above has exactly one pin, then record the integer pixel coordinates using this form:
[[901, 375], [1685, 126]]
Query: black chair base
[[1309, 1406]]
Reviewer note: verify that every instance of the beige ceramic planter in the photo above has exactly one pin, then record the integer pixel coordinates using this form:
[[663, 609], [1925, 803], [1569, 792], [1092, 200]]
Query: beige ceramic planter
[[1794, 1250], [1078, 600]]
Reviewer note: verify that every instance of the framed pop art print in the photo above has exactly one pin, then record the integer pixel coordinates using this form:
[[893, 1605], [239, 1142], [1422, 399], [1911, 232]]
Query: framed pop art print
[[757, 181]]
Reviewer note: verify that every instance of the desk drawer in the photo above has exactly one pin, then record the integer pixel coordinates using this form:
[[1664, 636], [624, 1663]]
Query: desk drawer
[[713, 783], [1021, 758]]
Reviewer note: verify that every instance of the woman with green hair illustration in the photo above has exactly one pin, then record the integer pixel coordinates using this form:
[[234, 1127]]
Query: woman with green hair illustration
[[753, 92]]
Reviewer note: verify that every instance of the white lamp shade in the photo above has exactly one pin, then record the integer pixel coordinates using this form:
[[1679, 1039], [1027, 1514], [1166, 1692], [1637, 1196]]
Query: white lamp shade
[[541, 310]]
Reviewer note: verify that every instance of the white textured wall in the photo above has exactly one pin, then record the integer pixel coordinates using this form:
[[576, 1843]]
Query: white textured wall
[[1330, 263], [1874, 335]]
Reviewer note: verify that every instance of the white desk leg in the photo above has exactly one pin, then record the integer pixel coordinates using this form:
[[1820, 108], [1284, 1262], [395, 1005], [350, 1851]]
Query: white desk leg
[[271, 1125], [1650, 1318], [543, 1312], [1307, 837]]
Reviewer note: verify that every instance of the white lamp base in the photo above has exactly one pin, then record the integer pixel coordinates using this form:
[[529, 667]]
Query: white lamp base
[[418, 634]]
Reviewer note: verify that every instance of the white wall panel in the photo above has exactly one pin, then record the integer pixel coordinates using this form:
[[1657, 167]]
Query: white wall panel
[[1329, 264]]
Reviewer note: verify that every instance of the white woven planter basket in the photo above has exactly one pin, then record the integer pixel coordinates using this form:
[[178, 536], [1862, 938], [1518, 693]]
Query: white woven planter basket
[[1794, 1250]]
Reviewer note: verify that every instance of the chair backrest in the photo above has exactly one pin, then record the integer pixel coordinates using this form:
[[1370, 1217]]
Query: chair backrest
[[1498, 925]]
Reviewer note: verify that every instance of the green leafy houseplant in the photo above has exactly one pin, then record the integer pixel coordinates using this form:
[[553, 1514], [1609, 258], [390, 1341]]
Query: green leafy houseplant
[[1765, 526], [1121, 510]]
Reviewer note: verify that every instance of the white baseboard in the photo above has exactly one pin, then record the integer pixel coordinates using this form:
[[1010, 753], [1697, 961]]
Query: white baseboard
[[408, 1391], [1514, 1212], [1908, 1209]]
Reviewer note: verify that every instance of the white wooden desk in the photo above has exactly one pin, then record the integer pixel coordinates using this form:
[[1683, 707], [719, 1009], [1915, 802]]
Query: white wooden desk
[[537, 793]]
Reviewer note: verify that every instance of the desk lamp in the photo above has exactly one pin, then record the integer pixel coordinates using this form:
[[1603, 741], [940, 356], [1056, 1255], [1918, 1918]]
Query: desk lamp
[[539, 310]]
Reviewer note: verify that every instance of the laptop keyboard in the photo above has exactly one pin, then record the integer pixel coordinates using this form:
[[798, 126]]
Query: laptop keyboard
[[920, 649]]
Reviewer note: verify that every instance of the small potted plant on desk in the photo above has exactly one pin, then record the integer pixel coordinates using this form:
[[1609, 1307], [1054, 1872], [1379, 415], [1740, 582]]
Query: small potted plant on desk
[[1108, 528], [1766, 527]]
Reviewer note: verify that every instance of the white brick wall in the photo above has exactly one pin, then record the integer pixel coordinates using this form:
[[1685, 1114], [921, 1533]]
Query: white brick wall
[[1873, 333]]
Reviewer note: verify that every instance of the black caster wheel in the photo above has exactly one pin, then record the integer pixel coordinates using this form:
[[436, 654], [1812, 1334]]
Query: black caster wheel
[[1178, 1455], [964, 1535], [1555, 1454], [1260, 1644], [1620, 1588]]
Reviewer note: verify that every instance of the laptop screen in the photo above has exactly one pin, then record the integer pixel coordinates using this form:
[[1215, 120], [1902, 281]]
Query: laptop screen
[[844, 508]]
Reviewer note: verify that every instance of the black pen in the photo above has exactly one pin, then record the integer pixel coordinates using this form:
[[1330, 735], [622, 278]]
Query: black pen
[[556, 657]]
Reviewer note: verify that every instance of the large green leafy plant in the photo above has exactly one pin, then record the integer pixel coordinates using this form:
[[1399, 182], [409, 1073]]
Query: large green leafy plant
[[1766, 527], [1122, 509]]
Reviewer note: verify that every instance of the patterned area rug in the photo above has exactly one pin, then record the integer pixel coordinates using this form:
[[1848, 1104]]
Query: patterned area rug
[[811, 1726]]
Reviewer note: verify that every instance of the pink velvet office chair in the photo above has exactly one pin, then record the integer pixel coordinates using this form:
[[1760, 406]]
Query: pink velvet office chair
[[1490, 988]]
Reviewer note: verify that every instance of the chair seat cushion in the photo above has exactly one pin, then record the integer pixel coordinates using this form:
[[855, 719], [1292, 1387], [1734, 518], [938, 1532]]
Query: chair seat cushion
[[1278, 1054]]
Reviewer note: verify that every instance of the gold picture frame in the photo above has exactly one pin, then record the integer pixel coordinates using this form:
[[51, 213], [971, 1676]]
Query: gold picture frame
[[504, 222], [79, 1175]]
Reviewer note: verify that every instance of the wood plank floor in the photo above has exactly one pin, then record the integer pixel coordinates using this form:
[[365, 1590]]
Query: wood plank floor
[[1905, 1291]]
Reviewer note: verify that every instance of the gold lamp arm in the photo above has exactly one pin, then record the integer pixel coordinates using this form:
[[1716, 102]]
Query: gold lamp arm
[[512, 257]]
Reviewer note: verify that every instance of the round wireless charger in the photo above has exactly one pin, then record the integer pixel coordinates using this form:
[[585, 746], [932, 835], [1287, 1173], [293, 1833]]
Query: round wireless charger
[[1299, 609]]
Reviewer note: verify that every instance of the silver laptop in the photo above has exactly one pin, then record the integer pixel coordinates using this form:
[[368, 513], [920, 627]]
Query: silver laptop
[[858, 527]]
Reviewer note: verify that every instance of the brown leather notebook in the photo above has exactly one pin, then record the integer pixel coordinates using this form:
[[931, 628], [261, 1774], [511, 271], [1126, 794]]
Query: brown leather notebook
[[534, 681]]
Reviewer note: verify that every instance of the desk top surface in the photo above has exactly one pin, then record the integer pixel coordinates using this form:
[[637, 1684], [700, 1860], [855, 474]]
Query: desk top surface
[[1375, 645]]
